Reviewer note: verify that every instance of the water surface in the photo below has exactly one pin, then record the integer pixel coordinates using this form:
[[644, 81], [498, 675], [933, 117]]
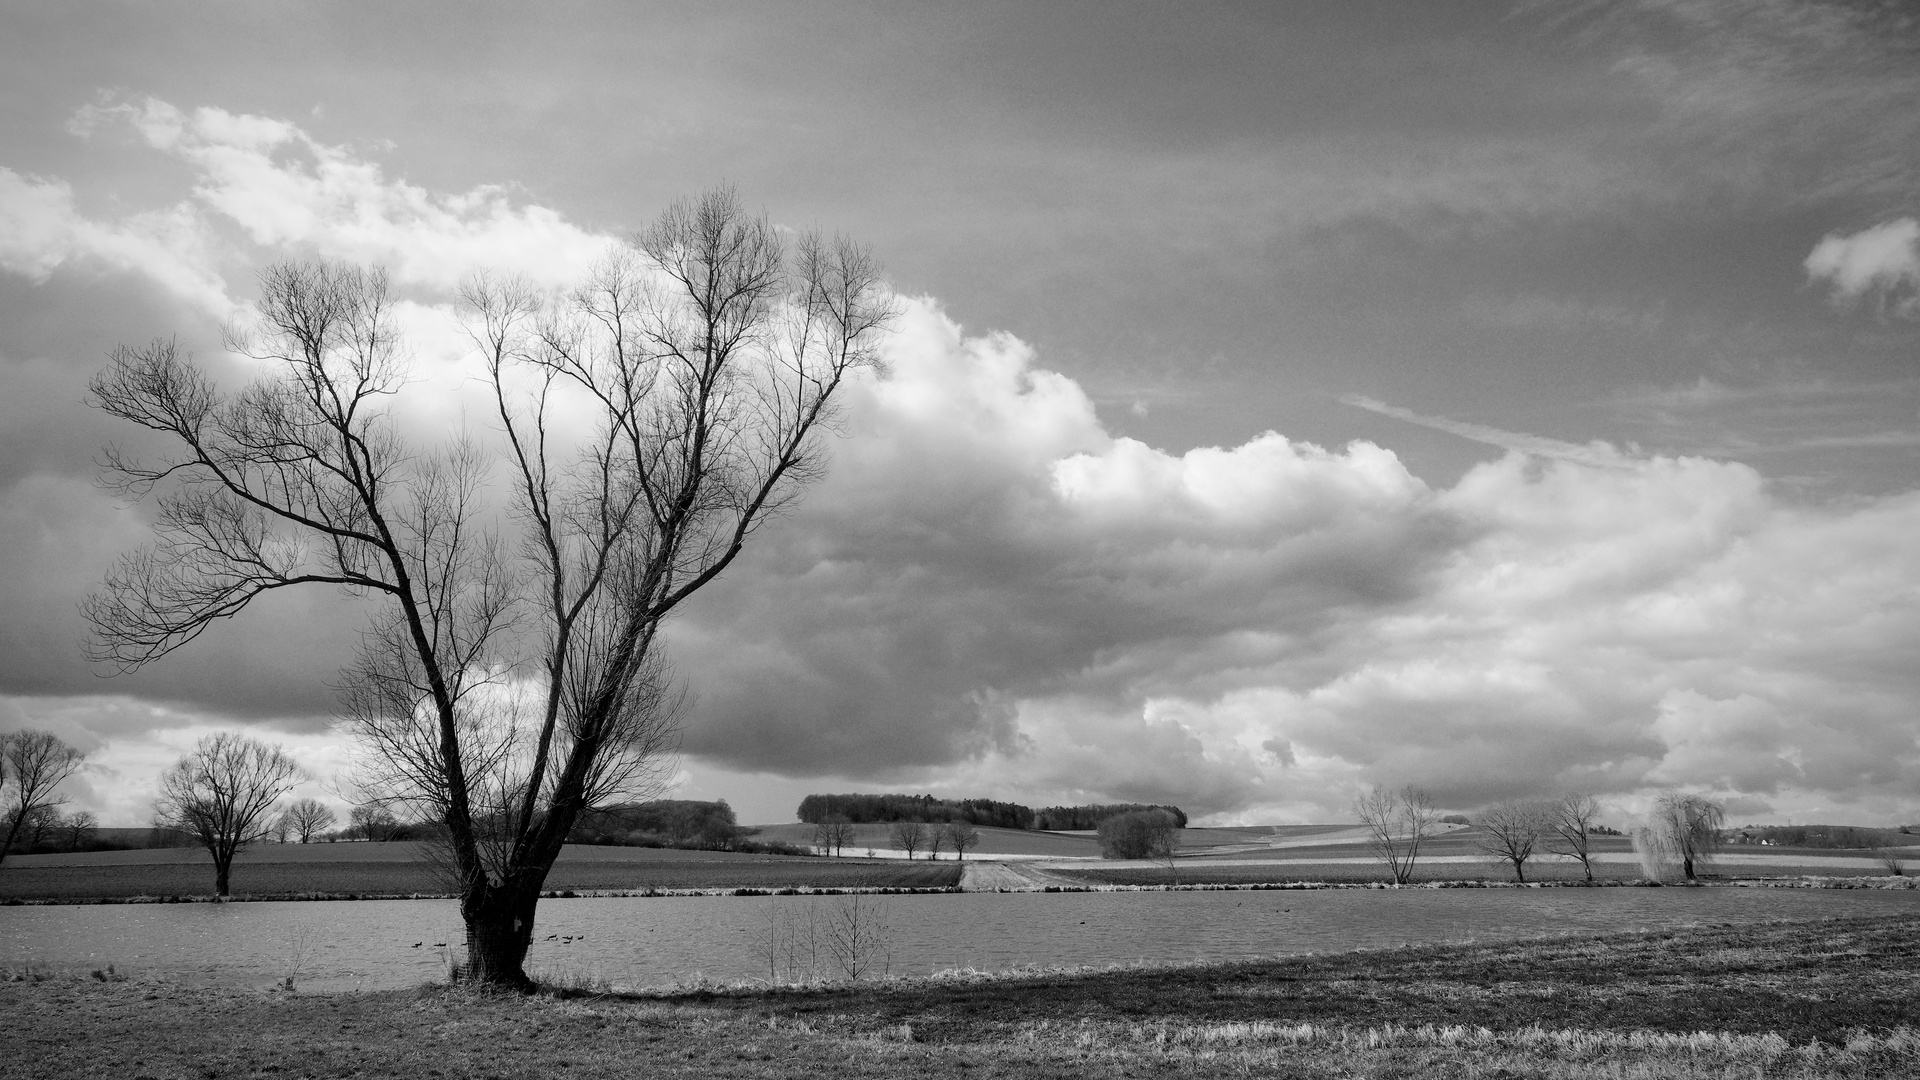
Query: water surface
[[651, 941]]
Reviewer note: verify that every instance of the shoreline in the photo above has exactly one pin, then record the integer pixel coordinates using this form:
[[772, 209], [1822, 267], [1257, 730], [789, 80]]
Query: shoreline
[[1805, 881]]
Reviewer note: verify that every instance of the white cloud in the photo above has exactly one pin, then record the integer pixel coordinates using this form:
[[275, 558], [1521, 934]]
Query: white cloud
[[284, 188], [41, 229], [265, 188], [1597, 454], [1882, 261]]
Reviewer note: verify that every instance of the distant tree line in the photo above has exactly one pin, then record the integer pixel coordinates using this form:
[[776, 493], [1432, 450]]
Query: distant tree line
[[1819, 836], [673, 823], [1081, 818], [868, 809]]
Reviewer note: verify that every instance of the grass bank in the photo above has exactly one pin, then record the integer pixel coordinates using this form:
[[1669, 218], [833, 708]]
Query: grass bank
[[1832, 998]]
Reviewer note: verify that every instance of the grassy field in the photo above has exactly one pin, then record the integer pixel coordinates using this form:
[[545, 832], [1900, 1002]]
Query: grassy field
[[397, 869], [1823, 999]]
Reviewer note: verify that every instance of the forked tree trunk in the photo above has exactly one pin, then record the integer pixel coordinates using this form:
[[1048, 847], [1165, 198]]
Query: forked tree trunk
[[222, 875], [499, 933]]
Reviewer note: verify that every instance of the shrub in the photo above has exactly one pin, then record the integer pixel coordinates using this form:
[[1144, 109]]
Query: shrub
[[1137, 834]]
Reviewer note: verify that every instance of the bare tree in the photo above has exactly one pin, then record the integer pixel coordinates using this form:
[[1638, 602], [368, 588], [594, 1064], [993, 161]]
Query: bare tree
[[32, 830], [80, 827], [840, 833], [962, 837], [1683, 830], [509, 682], [33, 764], [908, 836], [859, 936], [373, 821], [936, 837], [833, 835], [1570, 829], [1509, 831], [307, 818], [222, 795], [1397, 823]]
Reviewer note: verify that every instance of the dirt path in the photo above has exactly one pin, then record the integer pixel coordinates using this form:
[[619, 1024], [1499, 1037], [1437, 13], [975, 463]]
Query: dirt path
[[984, 876]]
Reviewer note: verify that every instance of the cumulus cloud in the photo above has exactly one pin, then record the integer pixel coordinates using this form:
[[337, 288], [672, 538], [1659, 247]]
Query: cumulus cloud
[[41, 229], [991, 593], [284, 188], [1881, 262], [262, 183]]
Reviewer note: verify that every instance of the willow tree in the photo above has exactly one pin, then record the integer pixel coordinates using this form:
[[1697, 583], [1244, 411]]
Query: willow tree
[[648, 423], [1683, 830]]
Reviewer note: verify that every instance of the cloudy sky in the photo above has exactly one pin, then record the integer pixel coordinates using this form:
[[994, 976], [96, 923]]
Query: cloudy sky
[[1504, 398]]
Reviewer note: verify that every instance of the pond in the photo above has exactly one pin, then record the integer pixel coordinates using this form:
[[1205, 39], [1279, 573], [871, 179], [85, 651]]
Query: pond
[[653, 941]]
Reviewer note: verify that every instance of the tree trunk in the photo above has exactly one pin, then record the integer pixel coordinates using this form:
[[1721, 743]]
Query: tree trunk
[[1520, 871], [13, 829], [499, 932], [222, 872], [1686, 864]]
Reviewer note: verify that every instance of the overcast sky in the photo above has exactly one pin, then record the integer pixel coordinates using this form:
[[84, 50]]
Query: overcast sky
[[1501, 398]]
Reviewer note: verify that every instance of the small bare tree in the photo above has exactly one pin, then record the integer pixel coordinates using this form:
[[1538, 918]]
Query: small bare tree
[[307, 818], [1570, 829], [840, 833], [859, 936], [794, 942], [512, 678], [33, 764], [373, 821], [908, 836], [1683, 831], [833, 835], [222, 795], [1510, 830], [1397, 823], [936, 837], [80, 828], [962, 837]]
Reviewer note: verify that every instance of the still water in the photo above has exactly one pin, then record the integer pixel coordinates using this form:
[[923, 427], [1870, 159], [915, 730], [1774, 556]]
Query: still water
[[652, 941]]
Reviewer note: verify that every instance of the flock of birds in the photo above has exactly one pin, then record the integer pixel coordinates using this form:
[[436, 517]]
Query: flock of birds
[[564, 939]]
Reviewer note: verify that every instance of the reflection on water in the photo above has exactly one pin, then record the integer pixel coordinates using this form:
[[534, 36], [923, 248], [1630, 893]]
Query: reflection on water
[[660, 940]]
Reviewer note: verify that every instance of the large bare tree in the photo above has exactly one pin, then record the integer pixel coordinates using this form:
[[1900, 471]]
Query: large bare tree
[[33, 764], [222, 796], [649, 423]]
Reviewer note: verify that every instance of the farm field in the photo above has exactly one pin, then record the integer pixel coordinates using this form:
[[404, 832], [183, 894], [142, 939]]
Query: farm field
[[396, 869], [1813, 1000]]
